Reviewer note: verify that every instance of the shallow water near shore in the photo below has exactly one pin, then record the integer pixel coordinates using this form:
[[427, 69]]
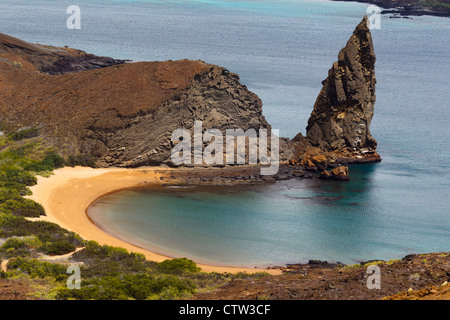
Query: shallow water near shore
[[282, 50], [286, 222]]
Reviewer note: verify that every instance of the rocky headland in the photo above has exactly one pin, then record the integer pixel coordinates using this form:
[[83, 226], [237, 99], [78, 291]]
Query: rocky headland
[[49, 59], [118, 113], [405, 8]]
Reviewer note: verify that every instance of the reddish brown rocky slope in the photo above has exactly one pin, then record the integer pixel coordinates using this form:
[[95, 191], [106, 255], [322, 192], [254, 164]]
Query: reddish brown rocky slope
[[122, 114]]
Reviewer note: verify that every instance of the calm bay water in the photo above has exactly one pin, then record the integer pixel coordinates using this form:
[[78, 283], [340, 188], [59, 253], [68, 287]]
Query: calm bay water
[[282, 50], [290, 221]]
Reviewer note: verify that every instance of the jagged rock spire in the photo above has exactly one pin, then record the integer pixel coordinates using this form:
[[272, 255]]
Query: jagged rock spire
[[343, 110]]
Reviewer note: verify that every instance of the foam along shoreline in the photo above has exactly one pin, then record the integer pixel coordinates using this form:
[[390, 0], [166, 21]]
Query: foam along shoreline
[[68, 193]]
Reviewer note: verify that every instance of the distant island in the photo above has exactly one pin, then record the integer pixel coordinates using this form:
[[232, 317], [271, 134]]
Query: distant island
[[439, 8]]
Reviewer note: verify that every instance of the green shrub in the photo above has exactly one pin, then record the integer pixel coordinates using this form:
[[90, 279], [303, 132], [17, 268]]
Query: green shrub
[[24, 207], [58, 247], [104, 252], [19, 251], [19, 246], [37, 167], [104, 260], [19, 176], [37, 268], [7, 194], [18, 242], [55, 239], [22, 190], [3, 140], [16, 155], [53, 161], [166, 281], [178, 266], [15, 179], [8, 219], [91, 292], [24, 134], [81, 160], [130, 286]]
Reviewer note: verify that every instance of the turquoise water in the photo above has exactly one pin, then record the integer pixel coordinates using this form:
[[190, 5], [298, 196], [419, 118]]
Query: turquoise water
[[290, 221], [282, 50]]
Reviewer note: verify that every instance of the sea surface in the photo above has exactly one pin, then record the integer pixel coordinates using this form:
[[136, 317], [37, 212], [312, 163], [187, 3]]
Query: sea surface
[[282, 50]]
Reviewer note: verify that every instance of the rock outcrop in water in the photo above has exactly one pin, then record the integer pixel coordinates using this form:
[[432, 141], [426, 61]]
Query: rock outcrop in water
[[344, 108], [338, 129], [338, 173]]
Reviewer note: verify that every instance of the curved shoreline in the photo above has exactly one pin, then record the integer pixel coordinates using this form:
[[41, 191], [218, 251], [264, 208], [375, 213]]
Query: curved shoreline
[[68, 193]]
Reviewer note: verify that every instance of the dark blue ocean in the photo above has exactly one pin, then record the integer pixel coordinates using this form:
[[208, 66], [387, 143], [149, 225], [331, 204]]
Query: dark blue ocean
[[282, 50]]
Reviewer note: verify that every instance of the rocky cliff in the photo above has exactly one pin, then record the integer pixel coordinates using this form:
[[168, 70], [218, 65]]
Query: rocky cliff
[[121, 114]]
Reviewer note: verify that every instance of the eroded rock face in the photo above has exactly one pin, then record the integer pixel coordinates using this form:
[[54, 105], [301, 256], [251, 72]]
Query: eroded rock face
[[215, 97], [340, 120], [119, 115]]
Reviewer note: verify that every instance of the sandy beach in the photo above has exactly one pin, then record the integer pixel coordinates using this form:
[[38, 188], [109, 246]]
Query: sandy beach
[[67, 194]]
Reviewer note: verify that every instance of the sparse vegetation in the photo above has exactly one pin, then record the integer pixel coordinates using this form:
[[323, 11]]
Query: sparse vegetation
[[435, 4], [19, 246], [178, 266], [25, 133], [36, 268], [113, 273], [17, 64], [107, 272], [80, 160]]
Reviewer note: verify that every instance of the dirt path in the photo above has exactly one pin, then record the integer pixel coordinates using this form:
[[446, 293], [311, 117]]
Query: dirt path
[[4, 264]]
